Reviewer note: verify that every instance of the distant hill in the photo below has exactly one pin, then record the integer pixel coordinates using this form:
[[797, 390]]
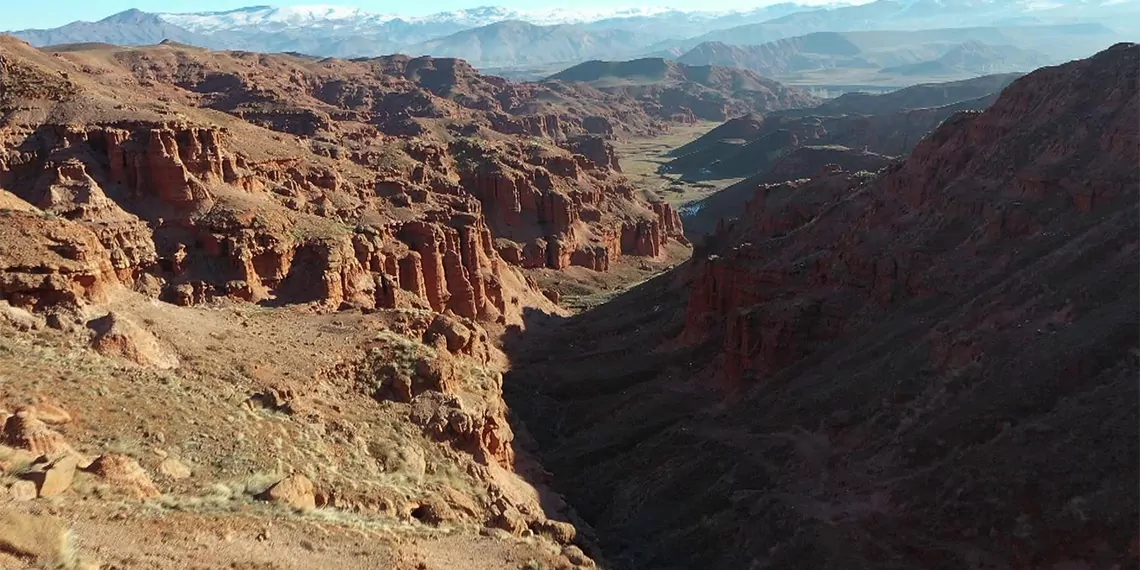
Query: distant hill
[[604, 73], [886, 24], [920, 96], [706, 92], [132, 27], [521, 43], [524, 40], [974, 58], [844, 18], [781, 148], [947, 96], [950, 52], [889, 124]]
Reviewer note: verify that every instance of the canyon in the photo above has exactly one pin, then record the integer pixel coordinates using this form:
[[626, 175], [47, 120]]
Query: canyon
[[929, 367], [293, 312]]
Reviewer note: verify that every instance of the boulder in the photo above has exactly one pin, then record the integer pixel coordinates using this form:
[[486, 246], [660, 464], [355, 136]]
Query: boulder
[[433, 511], [124, 473], [54, 478], [116, 335], [25, 431], [22, 491], [560, 532], [576, 557], [297, 491], [19, 318], [174, 469]]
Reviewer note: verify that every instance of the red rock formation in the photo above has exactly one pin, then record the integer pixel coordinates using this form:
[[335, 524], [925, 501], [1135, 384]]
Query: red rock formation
[[926, 355], [590, 222], [47, 261], [353, 215], [874, 242], [597, 150]]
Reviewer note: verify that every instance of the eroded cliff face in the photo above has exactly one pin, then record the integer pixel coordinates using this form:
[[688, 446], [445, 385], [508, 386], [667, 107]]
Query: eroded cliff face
[[119, 173], [862, 364], [557, 210], [927, 227], [186, 184], [48, 261], [350, 203]]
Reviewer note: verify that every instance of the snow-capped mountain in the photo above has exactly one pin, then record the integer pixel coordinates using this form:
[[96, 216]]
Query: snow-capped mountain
[[269, 18], [496, 36]]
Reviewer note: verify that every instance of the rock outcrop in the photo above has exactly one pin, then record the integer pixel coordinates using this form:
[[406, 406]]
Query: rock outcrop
[[362, 208], [295, 491], [116, 335], [583, 215], [47, 261], [23, 430]]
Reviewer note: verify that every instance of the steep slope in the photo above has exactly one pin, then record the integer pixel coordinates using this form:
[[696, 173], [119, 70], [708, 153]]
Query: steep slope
[[934, 367], [707, 93]]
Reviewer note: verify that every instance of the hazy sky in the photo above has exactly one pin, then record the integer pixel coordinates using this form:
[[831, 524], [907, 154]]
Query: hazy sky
[[21, 14]]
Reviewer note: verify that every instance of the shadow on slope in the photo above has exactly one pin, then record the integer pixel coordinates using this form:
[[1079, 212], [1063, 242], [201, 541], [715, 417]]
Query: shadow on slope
[[932, 368]]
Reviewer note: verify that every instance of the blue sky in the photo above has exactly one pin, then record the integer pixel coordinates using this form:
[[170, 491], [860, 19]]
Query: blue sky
[[22, 14]]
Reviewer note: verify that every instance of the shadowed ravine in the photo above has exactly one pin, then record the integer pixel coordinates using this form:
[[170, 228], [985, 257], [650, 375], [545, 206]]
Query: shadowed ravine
[[931, 368]]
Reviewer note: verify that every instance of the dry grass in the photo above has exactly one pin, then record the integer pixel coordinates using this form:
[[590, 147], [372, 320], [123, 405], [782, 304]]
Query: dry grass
[[641, 157]]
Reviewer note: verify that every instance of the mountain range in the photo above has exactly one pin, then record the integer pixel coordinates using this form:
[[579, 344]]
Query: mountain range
[[552, 39], [968, 50]]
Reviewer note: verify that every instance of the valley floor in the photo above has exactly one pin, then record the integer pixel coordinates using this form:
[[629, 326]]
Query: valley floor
[[641, 157]]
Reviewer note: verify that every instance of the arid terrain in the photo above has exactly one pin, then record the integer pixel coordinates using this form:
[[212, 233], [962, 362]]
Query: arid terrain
[[856, 132], [276, 311], [933, 366]]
